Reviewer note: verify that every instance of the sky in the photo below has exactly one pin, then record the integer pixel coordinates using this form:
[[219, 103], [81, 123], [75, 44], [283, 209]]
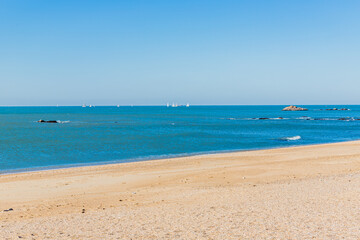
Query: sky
[[71, 52]]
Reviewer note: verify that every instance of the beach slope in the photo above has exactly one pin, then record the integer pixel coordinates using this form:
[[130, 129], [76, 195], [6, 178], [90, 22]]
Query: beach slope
[[290, 193]]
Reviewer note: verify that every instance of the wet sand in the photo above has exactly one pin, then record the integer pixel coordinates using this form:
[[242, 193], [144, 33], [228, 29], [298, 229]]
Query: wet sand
[[308, 192]]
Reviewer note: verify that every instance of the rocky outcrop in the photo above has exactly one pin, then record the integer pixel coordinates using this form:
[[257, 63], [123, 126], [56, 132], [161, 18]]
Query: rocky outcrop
[[294, 108], [50, 121]]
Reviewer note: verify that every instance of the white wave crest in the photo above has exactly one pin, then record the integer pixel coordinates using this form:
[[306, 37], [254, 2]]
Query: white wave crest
[[305, 118], [62, 121], [295, 138]]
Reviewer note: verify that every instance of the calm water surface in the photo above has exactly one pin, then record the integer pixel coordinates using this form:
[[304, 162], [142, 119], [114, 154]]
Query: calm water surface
[[88, 136]]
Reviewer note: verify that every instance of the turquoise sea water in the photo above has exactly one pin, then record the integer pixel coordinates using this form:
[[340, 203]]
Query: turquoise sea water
[[86, 136]]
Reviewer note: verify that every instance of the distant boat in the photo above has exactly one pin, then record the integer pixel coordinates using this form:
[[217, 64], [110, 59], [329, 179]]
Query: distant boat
[[118, 105], [90, 105], [187, 105], [167, 105], [83, 105], [174, 105]]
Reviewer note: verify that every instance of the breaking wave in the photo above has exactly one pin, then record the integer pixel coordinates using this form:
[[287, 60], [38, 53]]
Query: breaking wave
[[58, 121], [294, 138]]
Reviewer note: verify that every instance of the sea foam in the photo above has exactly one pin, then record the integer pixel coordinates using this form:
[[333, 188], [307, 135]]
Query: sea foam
[[294, 138]]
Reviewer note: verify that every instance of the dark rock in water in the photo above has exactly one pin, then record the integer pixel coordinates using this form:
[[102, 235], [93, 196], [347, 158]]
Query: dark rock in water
[[263, 118], [294, 108], [280, 118], [343, 119], [305, 118], [336, 109], [50, 121]]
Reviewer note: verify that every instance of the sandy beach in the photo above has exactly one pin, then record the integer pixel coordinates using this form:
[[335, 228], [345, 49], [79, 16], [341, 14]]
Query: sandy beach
[[308, 192]]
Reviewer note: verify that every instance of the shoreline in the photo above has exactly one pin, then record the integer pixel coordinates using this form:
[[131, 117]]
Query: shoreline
[[154, 158], [249, 194]]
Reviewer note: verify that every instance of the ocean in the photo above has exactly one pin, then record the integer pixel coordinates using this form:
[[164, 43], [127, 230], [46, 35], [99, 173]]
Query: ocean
[[100, 135]]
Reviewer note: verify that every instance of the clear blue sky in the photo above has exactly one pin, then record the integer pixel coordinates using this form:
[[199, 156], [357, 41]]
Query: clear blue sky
[[71, 52]]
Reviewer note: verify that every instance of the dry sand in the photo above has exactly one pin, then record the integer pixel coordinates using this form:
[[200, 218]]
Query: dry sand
[[310, 192]]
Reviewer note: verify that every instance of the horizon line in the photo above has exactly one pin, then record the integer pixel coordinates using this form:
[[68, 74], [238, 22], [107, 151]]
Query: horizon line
[[182, 105]]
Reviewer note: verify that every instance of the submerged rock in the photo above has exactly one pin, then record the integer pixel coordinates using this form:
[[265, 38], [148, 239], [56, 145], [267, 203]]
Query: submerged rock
[[337, 109], [294, 108]]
